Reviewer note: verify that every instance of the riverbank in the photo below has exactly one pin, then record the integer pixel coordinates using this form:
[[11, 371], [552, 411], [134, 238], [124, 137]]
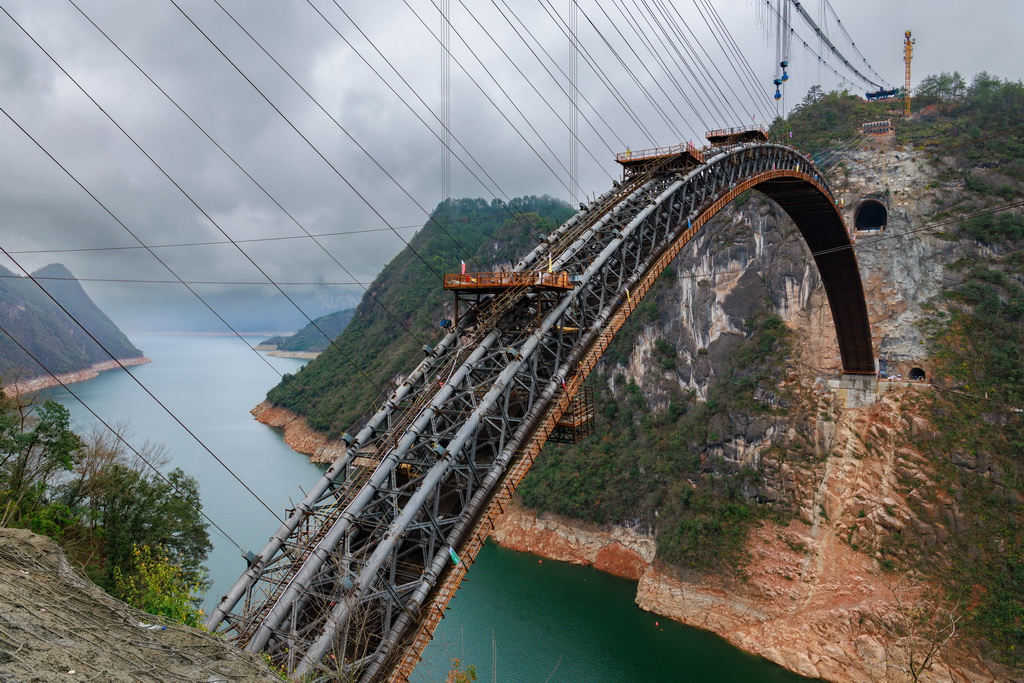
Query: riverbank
[[272, 350], [34, 384], [805, 599], [809, 603], [306, 355], [297, 433]]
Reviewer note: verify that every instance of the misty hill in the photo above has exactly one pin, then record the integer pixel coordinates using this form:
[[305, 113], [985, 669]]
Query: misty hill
[[29, 317], [314, 337], [405, 303]]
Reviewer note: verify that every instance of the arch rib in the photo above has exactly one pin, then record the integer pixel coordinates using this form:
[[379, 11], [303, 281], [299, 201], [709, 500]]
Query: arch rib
[[359, 574]]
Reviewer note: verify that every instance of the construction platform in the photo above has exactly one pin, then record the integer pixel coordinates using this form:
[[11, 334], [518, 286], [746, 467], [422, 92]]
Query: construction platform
[[493, 283], [576, 423], [878, 128], [659, 160], [733, 136]]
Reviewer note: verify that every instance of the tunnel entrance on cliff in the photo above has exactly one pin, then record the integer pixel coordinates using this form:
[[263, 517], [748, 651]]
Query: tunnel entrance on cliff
[[917, 374], [871, 214]]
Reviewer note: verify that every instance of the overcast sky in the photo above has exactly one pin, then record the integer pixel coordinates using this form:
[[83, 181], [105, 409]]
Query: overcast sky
[[361, 151]]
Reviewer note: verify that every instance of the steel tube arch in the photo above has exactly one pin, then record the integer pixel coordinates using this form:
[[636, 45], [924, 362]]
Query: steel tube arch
[[374, 539]]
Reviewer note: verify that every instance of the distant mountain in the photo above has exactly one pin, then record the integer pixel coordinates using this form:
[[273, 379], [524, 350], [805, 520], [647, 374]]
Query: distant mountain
[[314, 337], [52, 337]]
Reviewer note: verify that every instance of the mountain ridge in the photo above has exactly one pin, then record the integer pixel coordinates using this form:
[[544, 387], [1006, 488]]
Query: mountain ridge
[[39, 313]]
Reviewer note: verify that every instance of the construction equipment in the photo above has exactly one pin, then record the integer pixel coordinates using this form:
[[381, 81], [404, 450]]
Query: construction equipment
[[908, 54]]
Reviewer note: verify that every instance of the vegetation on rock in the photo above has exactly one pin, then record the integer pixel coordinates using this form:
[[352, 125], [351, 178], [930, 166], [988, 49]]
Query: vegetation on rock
[[977, 340], [100, 504], [650, 469]]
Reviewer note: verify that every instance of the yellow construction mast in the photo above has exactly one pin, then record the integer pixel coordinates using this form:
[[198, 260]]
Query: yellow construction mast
[[908, 54]]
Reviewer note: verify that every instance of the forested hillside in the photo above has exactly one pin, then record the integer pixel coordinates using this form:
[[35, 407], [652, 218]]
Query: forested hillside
[[50, 334], [405, 304], [314, 337]]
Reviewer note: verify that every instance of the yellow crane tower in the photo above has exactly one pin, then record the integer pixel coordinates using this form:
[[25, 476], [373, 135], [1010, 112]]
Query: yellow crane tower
[[908, 54]]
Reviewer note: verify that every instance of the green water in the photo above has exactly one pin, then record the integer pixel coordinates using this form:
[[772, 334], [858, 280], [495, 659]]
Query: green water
[[519, 619], [539, 621]]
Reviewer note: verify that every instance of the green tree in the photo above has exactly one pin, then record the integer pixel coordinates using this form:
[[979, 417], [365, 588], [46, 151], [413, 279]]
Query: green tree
[[146, 510], [461, 674], [36, 446], [119, 501], [158, 586]]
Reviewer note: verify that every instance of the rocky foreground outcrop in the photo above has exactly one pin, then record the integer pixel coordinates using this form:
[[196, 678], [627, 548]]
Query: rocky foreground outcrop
[[56, 625]]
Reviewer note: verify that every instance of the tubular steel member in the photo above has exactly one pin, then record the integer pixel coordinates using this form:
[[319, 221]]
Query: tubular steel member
[[378, 549]]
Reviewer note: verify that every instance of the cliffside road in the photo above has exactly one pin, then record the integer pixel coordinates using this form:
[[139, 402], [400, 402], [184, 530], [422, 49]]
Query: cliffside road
[[55, 625]]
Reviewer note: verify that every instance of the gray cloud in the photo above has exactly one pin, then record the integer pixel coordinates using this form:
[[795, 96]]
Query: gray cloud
[[42, 208]]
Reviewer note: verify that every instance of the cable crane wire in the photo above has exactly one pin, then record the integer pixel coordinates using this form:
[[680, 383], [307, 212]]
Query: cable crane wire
[[809, 20]]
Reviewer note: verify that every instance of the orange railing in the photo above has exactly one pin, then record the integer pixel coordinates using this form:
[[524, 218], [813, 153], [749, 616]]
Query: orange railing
[[630, 155], [507, 279]]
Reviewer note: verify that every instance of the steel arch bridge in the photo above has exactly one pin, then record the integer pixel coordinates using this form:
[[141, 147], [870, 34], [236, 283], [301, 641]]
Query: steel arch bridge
[[353, 583]]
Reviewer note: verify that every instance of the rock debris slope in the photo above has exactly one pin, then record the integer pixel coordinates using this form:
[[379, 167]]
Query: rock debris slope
[[55, 625]]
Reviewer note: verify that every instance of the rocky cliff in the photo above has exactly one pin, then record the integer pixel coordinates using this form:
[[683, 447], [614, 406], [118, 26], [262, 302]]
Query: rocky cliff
[[811, 594], [829, 590]]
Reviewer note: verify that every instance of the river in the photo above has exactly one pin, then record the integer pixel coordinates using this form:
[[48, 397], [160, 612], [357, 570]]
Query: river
[[515, 618]]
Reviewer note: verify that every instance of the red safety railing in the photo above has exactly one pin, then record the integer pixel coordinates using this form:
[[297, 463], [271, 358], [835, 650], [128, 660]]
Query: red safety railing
[[507, 279], [686, 147]]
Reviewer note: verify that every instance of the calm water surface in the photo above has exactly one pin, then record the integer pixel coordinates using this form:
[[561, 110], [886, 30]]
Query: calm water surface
[[515, 619]]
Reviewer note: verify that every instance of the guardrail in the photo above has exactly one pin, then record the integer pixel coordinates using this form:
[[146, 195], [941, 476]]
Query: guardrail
[[630, 155], [507, 279]]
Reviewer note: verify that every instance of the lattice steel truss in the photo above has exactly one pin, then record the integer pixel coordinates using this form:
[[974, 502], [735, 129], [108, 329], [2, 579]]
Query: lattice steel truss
[[340, 590]]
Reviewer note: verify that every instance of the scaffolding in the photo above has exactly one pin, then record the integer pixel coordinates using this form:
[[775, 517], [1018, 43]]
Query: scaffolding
[[659, 160], [733, 136], [492, 283], [577, 422], [504, 288]]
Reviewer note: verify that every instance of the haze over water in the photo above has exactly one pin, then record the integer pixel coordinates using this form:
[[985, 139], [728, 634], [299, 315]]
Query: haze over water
[[532, 620]]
